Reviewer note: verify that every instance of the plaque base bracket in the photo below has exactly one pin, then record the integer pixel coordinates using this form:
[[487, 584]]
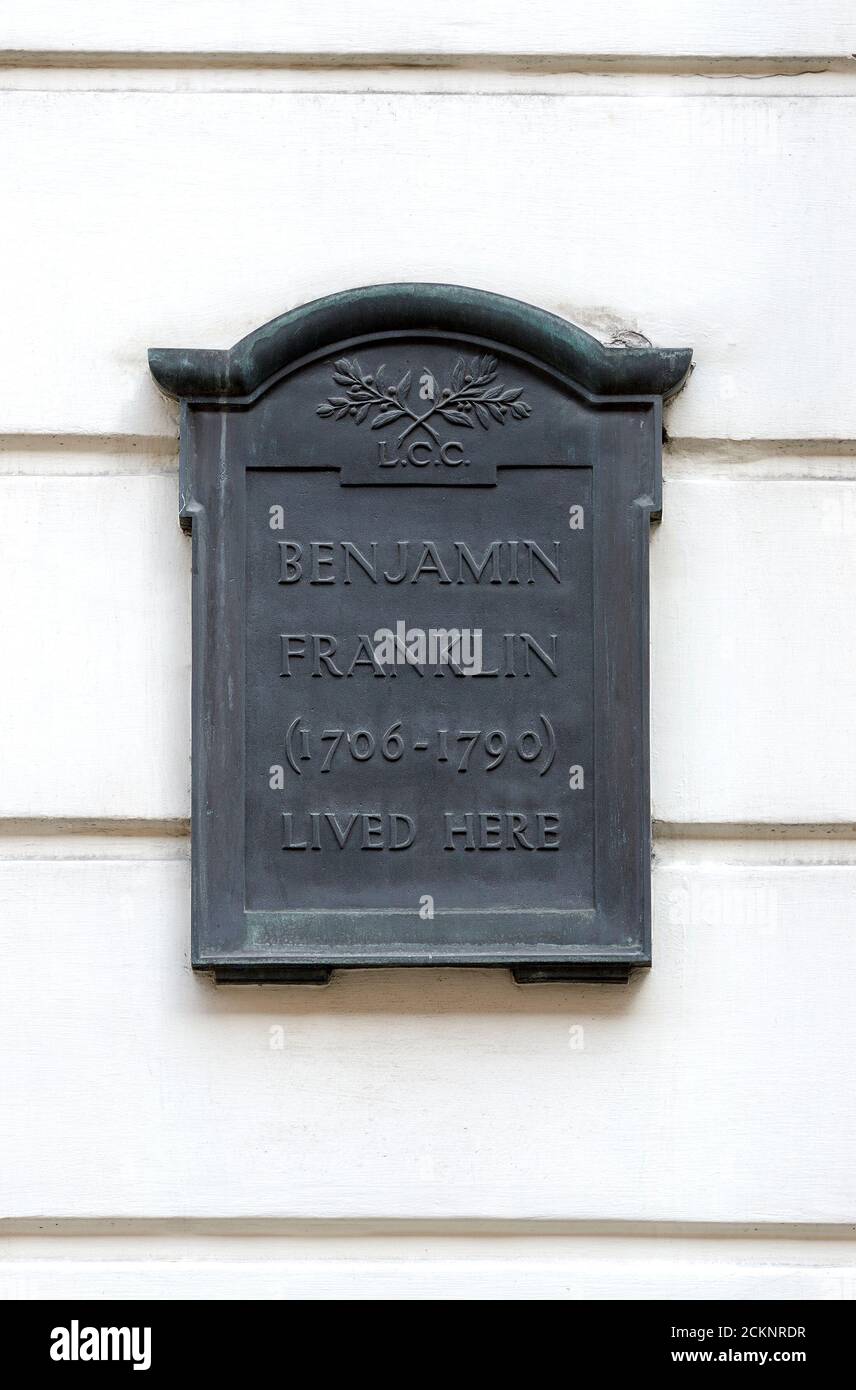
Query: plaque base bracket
[[598, 972], [606, 973], [272, 974]]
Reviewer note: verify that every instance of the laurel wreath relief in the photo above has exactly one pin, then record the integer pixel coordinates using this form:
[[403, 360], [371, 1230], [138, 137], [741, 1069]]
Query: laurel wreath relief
[[473, 394]]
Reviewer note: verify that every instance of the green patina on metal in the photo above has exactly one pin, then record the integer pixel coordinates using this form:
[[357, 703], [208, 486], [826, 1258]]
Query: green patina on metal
[[242, 370], [357, 803]]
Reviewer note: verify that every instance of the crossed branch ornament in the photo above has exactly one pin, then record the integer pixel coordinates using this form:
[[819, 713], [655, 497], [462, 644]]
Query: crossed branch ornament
[[472, 394]]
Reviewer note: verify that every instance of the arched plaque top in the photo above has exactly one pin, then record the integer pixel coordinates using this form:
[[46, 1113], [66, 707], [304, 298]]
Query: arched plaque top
[[213, 374]]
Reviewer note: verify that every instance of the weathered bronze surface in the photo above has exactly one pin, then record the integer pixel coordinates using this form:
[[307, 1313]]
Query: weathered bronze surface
[[420, 520]]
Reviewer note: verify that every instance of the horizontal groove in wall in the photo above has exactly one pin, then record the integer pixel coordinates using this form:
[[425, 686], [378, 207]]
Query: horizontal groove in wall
[[86, 839], [12, 827], [753, 450], [761, 460], [83, 456], [89, 443], [759, 830], [687, 65], [338, 1228], [699, 848]]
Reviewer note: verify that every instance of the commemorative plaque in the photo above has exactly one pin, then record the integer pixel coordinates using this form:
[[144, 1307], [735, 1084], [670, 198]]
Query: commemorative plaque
[[420, 519]]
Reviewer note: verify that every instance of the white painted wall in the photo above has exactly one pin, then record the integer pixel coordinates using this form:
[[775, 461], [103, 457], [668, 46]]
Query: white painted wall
[[338, 29], [696, 218], [684, 170]]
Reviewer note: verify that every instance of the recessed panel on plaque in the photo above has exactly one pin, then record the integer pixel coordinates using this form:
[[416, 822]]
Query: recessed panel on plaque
[[420, 518]]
